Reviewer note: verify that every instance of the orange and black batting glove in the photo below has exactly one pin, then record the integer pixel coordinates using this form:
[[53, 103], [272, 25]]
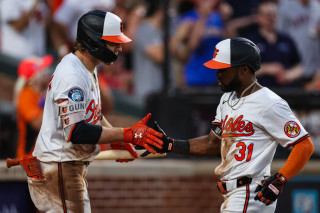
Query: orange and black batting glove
[[270, 188]]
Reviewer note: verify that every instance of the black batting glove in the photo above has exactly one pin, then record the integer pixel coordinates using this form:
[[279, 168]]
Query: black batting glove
[[270, 188], [168, 143]]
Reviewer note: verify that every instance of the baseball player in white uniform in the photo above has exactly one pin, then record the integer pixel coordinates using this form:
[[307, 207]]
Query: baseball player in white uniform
[[73, 125], [250, 122]]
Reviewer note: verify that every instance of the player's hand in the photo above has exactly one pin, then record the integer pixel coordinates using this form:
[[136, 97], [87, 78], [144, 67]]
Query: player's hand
[[142, 135], [124, 146], [168, 143], [270, 189]]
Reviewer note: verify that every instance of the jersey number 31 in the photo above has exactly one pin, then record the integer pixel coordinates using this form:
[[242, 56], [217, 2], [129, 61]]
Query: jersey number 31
[[242, 151]]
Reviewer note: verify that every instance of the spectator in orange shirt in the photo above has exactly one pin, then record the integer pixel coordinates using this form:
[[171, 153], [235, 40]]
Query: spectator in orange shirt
[[33, 75]]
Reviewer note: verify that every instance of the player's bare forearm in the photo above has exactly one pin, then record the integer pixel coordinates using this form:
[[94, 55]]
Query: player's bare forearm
[[105, 123], [111, 135], [208, 145]]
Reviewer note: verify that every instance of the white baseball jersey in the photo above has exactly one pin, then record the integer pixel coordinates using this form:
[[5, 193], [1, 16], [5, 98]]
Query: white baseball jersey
[[73, 95], [251, 131]]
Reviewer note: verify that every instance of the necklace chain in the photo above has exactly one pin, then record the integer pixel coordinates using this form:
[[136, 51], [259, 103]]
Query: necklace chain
[[253, 83]]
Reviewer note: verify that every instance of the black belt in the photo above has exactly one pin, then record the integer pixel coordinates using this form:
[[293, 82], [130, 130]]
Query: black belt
[[222, 186]]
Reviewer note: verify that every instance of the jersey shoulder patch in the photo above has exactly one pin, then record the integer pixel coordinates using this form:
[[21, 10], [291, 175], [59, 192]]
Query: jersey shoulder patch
[[292, 129], [76, 94]]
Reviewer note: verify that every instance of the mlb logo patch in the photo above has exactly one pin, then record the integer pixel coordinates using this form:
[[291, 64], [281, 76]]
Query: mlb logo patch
[[76, 95]]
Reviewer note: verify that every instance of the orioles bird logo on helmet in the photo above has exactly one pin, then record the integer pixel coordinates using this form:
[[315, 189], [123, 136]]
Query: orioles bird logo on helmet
[[121, 27], [215, 52]]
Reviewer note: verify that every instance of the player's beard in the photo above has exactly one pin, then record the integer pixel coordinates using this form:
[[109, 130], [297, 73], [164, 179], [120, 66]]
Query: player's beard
[[232, 85]]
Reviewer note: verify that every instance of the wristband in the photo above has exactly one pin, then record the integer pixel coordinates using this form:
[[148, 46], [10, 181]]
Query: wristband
[[181, 146]]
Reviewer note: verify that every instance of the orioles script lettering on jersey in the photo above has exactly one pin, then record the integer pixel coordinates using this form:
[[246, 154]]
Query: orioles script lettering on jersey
[[237, 127], [94, 110]]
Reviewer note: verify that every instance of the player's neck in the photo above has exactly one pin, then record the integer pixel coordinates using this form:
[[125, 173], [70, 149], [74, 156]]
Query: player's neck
[[248, 88], [87, 60]]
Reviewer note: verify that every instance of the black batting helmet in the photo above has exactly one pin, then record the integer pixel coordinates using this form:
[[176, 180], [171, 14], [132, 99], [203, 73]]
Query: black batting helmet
[[96, 27], [235, 52]]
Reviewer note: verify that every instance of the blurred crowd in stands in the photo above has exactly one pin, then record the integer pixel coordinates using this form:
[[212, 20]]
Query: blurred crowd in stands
[[287, 33], [288, 41]]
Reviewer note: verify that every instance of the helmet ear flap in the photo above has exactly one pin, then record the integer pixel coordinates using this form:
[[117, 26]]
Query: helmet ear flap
[[92, 44]]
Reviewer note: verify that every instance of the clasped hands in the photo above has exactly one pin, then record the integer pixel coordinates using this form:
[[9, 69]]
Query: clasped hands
[[143, 137]]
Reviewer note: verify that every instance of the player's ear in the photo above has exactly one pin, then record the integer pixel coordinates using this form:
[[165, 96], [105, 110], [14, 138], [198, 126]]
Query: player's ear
[[242, 70], [245, 69]]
